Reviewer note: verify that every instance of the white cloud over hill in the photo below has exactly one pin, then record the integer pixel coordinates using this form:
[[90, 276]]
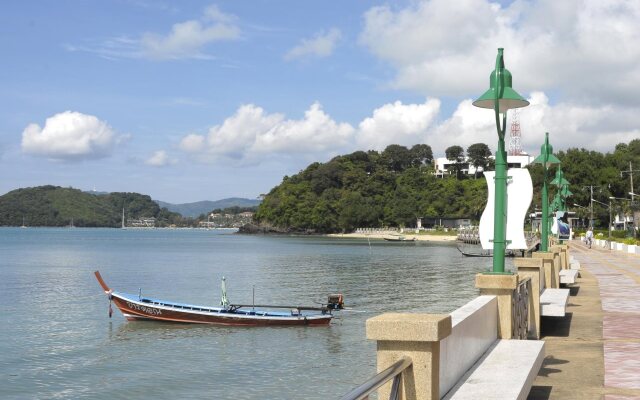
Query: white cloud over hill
[[252, 134], [397, 123], [69, 136]]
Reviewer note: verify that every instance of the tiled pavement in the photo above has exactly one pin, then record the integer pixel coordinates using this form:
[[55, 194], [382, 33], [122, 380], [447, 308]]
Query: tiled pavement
[[618, 276]]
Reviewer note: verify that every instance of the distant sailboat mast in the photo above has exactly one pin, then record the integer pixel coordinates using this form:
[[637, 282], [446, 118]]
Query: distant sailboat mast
[[123, 227]]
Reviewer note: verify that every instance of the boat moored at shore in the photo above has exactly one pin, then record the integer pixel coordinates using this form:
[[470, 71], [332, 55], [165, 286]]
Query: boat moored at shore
[[136, 307]]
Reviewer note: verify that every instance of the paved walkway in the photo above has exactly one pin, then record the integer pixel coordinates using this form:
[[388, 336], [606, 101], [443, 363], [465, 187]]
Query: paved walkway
[[594, 352], [618, 276]]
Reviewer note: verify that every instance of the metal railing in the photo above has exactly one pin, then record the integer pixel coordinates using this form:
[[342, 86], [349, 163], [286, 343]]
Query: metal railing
[[520, 309], [394, 372]]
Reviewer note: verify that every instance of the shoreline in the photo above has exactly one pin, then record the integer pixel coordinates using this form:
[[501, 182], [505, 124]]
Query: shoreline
[[423, 238]]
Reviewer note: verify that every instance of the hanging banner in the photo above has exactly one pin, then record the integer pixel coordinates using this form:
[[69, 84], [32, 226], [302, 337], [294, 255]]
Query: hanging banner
[[561, 227], [519, 196]]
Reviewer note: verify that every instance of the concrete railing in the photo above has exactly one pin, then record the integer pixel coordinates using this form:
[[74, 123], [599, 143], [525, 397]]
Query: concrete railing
[[626, 248], [446, 349], [443, 347], [474, 329]]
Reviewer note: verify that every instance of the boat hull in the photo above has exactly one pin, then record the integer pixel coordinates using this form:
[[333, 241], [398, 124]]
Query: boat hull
[[143, 310]]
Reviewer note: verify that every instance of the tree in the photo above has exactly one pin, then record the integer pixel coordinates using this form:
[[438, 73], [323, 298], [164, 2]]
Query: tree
[[398, 157], [456, 154], [478, 154], [421, 154], [370, 189]]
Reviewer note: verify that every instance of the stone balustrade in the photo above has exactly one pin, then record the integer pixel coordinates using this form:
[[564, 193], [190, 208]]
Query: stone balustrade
[[442, 346]]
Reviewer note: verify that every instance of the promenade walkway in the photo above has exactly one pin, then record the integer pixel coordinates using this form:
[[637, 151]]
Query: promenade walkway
[[594, 353]]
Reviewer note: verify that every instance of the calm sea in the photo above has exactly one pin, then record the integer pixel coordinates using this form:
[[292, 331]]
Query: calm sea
[[57, 341]]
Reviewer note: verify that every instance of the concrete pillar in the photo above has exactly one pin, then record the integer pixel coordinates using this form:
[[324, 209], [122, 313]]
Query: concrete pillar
[[418, 337], [551, 280], [532, 268], [501, 286], [557, 265], [564, 256]]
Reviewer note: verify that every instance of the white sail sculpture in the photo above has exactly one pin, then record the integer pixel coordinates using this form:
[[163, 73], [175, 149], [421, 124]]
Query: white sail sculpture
[[519, 196]]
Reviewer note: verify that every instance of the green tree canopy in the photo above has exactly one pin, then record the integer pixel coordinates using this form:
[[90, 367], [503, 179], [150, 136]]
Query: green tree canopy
[[368, 189], [421, 154], [58, 206], [479, 154], [456, 154]]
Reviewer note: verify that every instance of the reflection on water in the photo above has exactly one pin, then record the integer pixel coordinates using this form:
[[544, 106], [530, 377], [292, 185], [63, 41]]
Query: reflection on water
[[57, 341]]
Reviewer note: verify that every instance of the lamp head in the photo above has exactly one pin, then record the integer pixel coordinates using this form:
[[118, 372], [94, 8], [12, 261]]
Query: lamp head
[[556, 204], [546, 157], [565, 192], [559, 179], [500, 82]]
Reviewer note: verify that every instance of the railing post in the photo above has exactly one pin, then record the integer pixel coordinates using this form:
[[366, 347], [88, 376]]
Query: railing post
[[557, 264], [551, 281], [416, 336], [532, 268], [564, 255], [501, 286]]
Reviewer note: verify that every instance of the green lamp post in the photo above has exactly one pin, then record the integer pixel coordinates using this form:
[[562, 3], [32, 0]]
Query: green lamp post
[[565, 193], [556, 203], [561, 183], [547, 159], [500, 97], [559, 178]]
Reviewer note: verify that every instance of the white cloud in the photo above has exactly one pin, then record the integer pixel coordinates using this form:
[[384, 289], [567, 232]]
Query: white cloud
[[569, 125], [160, 158], [69, 136], [584, 48], [186, 40], [252, 133], [595, 127], [321, 45], [397, 123]]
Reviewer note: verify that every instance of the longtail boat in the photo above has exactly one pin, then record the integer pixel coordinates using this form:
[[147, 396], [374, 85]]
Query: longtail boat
[[136, 307]]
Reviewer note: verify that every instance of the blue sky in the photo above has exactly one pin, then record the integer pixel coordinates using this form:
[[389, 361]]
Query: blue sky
[[197, 100]]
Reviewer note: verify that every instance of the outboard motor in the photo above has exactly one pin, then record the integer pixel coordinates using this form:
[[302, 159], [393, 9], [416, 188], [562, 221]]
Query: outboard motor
[[335, 302]]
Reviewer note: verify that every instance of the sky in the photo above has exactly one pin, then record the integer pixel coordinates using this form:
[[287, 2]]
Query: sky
[[203, 100]]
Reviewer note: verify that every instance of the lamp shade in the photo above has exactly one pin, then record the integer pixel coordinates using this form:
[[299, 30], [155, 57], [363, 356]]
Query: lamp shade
[[550, 158], [565, 192], [559, 179], [546, 156], [556, 204], [507, 98]]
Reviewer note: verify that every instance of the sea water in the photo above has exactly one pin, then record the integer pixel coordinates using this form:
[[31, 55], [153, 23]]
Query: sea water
[[58, 342]]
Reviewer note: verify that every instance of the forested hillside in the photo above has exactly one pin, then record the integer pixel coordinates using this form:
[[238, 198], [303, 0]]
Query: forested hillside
[[393, 187], [370, 189], [57, 206]]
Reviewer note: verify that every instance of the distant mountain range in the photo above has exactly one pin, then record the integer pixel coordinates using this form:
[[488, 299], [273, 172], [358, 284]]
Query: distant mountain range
[[203, 207]]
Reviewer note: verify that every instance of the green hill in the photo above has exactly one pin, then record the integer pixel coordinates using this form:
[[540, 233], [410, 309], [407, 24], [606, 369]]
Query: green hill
[[57, 206], [369, 189], [395, 186]]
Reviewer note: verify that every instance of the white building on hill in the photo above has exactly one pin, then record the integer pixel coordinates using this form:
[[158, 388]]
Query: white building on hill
[[443, 165]]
